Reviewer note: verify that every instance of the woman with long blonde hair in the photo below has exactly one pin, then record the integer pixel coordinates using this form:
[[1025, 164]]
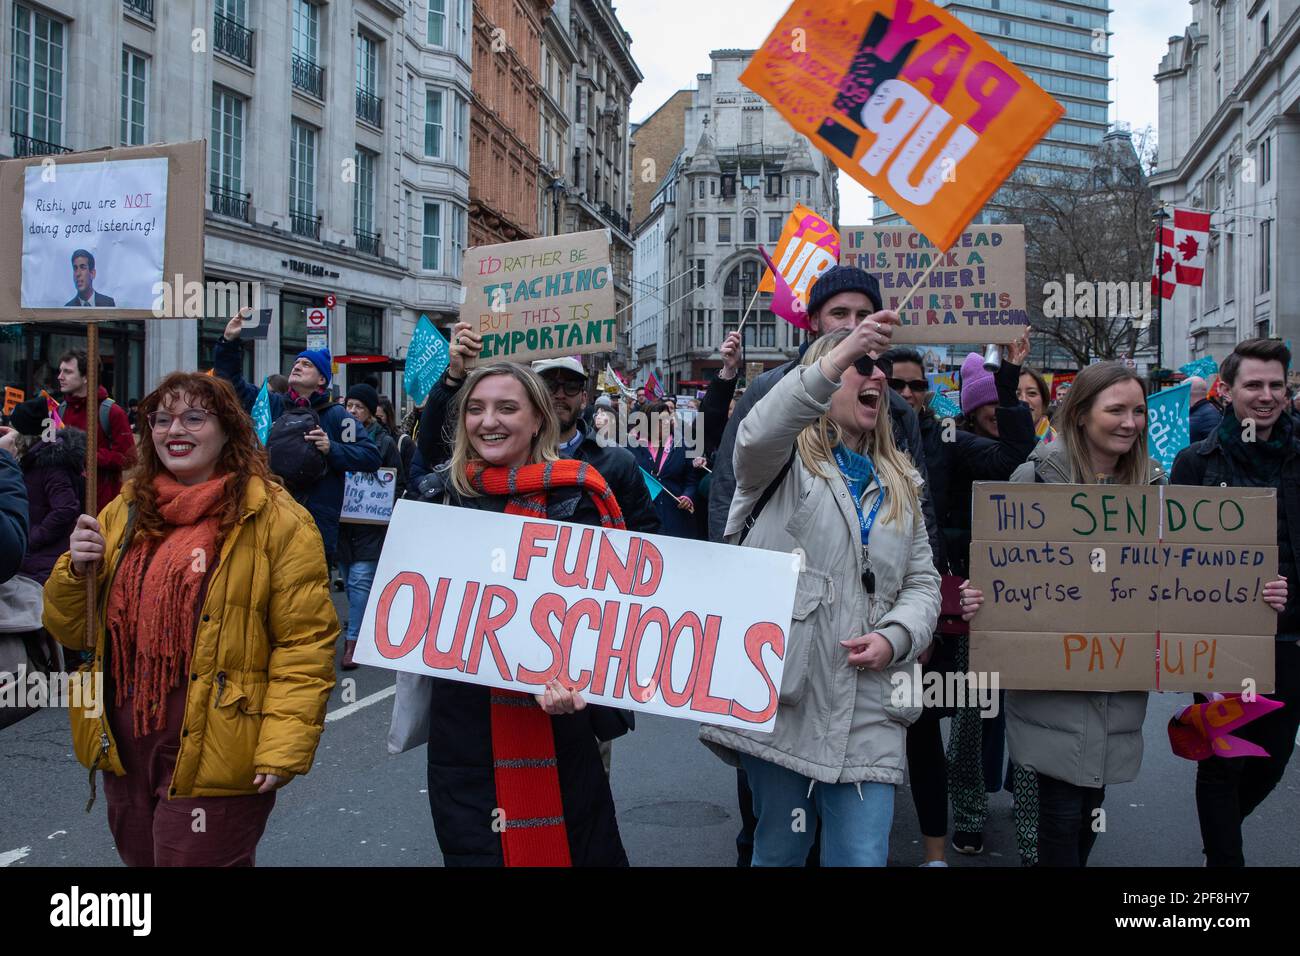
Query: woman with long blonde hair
[[493, 795], [818, 475]]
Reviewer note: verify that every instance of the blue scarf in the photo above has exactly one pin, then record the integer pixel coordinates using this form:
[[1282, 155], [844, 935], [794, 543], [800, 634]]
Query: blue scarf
[[857, 470]]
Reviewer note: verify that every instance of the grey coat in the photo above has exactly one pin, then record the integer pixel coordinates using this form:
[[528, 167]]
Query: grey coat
[[834, 723], [1089, 739]]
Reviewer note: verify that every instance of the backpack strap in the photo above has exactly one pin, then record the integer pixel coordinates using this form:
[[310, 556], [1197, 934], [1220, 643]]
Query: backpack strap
[[104, 406], [766, 496]]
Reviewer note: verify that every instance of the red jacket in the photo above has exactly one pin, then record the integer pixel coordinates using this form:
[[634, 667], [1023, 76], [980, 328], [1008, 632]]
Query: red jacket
[[116, 452]]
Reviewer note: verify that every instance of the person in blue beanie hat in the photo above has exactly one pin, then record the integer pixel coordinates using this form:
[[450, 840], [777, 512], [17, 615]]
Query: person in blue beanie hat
[[345, 447]]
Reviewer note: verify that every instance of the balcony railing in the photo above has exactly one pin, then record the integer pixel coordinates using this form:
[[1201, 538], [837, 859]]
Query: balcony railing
[[142, 7], [613, 218], [227, 202], [30, 146], [368, 242], [233, 39], [309, 77], [305, 224], [370, 107]]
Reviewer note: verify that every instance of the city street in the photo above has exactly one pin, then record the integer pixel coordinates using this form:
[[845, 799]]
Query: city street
[[676, 802]]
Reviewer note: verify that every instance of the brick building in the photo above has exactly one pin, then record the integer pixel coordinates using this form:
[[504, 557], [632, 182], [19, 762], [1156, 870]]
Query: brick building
[[505, 125], [659, 139]]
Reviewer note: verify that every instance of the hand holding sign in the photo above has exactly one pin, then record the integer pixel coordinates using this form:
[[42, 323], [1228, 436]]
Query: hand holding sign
[[559, 700], [465, 347], [236, 324]]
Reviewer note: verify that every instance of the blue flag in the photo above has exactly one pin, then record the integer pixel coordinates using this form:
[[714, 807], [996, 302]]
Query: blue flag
[[1168, 430], [426, 359], [1204, 367], [652, 484], [262, 413], [944, 405]]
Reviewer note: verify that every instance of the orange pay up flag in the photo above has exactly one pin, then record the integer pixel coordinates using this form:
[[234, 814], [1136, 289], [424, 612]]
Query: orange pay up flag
[[809, 246], [906, 100]]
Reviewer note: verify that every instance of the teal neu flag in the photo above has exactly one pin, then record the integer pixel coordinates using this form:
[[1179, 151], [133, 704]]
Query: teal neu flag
[[426, 360], [1204, 367], [652, 484], [944, 405], [262, 413], [1168, 429]]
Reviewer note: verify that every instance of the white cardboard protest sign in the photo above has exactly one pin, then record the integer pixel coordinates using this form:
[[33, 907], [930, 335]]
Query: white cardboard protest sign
[[642, 622], [369, 496]]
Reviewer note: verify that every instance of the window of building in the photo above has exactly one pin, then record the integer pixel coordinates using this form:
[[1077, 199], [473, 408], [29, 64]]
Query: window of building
[[226, 151], [699, 273], [36, 78], [701, 229], [751, 228], [302, 171], [713, 186], [1266, 160], [134, 73], [766, 329], [306, 30], [701, 189], [293, 325], [433, 123], [1265, 31], [431, 258], [367, 64], [798, 187], [774, 230], [701, 329], [1266, 256], [364, 199], [460, 130], [751, 180], [365, 330], [724, 229], [1212, 275], [438, 22], [464, 20], [456, 238], [1230, 265]]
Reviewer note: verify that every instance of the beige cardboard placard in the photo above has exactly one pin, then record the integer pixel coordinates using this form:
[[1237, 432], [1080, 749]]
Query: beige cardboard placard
[[976, 296], [1100, 573], [542, 297], [103, 202]]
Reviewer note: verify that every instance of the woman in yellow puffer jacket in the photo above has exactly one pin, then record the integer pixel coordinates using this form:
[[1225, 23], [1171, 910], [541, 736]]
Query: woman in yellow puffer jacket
[[214, 648]]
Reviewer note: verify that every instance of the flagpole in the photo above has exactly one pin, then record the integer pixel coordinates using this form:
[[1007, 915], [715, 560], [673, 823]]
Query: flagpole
[[741, 327], [1161, 216]]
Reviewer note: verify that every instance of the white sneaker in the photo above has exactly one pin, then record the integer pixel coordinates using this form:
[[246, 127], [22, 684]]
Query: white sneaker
[[942, 863]]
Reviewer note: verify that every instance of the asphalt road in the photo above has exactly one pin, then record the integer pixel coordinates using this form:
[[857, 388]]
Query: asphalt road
[[360, 806]]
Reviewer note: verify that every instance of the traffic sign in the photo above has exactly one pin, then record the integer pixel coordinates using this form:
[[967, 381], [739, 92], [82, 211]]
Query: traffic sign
[[318, 320], [330, 301]]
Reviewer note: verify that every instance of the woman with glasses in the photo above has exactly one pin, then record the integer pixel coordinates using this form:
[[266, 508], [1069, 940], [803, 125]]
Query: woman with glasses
[[213, 640], [661, 454]]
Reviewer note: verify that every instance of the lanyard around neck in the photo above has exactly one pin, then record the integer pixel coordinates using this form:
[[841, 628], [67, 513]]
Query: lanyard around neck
[[867, 521]]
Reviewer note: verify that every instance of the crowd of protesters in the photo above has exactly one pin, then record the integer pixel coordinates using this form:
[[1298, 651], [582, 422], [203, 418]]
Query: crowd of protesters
[[217, 637]]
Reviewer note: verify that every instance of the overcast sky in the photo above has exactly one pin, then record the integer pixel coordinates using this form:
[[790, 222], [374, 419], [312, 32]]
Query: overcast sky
[[671, 40]]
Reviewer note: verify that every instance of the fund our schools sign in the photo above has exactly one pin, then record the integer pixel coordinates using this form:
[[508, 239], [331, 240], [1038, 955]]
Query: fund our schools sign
[[641, 622], [905, 99]]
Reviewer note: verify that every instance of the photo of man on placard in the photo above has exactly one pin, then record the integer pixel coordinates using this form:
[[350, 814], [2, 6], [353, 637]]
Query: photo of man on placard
[[83, 277]]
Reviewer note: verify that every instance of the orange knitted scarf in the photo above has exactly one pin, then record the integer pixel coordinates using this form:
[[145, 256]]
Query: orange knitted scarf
[[154, 602]]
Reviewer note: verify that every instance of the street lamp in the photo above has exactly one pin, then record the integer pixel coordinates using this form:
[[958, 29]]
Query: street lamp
[[557, 189]]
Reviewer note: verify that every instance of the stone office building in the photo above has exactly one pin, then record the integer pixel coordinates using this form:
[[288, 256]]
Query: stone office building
[[338, 163]]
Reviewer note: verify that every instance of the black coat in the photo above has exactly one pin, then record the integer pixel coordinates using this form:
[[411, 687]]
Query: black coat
[[679, 477], [462, 785], [1208, 464], [56, 491], [13, 516]]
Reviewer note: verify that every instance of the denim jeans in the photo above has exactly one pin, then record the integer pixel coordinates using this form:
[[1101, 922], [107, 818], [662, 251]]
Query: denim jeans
[[357, 578], [1066, 816], [854, 827]]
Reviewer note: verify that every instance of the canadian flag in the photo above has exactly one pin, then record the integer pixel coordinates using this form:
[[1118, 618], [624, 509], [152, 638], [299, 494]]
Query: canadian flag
[[1191, 240], [1164, 281]]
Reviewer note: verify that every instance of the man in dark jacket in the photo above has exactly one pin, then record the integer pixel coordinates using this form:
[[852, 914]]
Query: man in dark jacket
[[345, 448], [1256, 445], [839, 299], [1203, 415], [361, 544], [13, 507]]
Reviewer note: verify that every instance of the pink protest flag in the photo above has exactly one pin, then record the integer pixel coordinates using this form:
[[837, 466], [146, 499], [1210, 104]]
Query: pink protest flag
[[53, 407], [1202, 730], [784, 301]]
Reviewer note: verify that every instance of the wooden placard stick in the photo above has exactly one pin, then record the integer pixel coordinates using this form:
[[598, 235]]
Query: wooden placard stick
[[750, 308], [92, 471]]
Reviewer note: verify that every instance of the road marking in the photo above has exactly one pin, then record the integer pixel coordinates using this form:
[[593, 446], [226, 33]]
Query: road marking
[[352, 708], [13, 856]]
